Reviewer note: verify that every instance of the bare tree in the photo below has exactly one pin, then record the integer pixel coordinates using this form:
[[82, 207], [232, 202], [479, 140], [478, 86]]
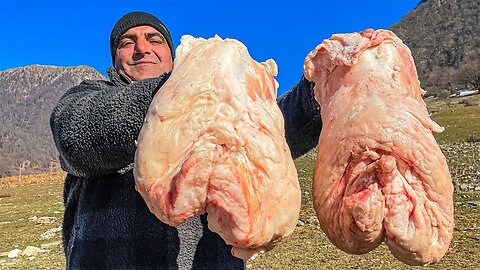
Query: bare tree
[[22, 167], [475, 80]]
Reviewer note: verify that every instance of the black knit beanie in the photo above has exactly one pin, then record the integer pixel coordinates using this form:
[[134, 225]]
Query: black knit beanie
[[133, 19]]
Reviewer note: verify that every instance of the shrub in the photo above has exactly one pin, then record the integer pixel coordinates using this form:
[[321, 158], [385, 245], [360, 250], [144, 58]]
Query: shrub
[[472, 139]]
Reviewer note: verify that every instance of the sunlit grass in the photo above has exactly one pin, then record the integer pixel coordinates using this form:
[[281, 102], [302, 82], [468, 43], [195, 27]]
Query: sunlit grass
[[460, 123]]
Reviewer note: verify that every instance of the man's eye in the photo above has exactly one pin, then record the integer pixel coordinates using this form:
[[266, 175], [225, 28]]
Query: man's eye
[[155, 41], [126, 43]]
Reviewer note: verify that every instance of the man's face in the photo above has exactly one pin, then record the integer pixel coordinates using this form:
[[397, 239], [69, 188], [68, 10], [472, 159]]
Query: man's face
[[142, 52]]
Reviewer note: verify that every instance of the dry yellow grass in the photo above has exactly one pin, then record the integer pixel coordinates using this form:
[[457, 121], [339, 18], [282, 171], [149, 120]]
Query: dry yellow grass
[[15, 181]]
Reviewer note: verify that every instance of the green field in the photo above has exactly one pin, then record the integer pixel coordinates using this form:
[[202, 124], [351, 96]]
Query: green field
[[41, 196], [460, 123]]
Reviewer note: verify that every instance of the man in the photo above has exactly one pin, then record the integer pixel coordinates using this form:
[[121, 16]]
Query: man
[[107, 225]]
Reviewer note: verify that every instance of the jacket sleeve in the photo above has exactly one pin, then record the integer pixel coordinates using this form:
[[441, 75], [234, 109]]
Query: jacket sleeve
[[301, 112], [95, 125]]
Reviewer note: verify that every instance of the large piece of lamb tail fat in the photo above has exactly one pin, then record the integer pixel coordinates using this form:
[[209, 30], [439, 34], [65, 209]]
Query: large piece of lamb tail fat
[[379, 173], [214, 142]]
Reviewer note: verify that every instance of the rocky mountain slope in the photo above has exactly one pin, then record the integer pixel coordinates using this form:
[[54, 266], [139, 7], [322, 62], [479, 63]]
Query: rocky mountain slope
[[444, 37], [28, 97]]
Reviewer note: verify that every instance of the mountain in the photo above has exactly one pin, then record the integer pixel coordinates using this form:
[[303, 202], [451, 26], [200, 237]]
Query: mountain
[[444, 37], [28, 97]]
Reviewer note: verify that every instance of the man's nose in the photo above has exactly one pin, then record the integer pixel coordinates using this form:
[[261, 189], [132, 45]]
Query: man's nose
[[142, 46]]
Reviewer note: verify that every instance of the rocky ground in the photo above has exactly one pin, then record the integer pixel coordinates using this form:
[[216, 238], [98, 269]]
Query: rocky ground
[[463, 161]]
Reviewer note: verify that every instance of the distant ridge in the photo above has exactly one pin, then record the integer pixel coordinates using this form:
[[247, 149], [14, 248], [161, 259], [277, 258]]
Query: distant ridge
[[444, 37], [28, 97]]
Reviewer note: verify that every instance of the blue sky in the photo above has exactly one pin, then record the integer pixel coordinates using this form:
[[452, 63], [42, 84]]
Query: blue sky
[[70, 33]]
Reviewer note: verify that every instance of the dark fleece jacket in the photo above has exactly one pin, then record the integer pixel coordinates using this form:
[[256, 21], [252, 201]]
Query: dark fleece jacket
[[107, 225]]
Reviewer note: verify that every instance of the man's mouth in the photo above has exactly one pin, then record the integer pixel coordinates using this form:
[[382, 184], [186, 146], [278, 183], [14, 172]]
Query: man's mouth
[[142, 63]]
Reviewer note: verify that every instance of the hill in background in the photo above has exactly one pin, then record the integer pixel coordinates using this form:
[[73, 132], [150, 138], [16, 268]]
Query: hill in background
[[28, 97], [444, 37]]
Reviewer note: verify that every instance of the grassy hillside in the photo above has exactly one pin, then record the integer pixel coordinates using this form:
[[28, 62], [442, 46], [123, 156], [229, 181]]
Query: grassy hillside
[[459, 116], [23, 198]]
